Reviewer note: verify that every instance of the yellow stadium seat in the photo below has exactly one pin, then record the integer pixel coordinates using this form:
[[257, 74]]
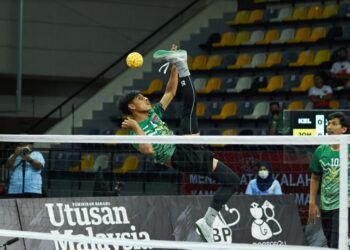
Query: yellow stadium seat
[[302, 35], [121, 131], [200, 109], [213, 61], [299, 13], [330, 10], [335, 104], [256, 15], [230, 132], [275, 83], [241, 17], [305, 57], [130, 163], [243, 59], [154, 86], [199, 62], [86, 163], [315, 12], [317, 33], [306, 83], [321, 57], [229, 109], [227, 39], [272, 59], [242, 37], [212, 84], [189, 61], [271, 35], [296, 105]]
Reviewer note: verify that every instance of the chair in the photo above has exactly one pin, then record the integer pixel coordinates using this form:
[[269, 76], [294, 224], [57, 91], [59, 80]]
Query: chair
[[156, 85], [329, 11], [213, 38], [199, 62], [344, 10], [130, 163], [309, 106], [306, 83], [243, 83], [302, 35], [273, 58], [261, 109], [228, 110], [275, 83], [213, 61], [259, 82], [255, 16], [242, 36], [189, 61], [230, 132], [283, 14], [121, 131], [270, 36], [242, 59], [322, 56], [305, 58], [241, 17], [288, 57], [199, 83], [87, 162], [295, 105], [270, 13], [286, 35], [258, 59], [315, 12], [212, 85], [227, 60], [200, 109], [317, 34], [228, 83], [254, 37], [299, 13], [227, 39], [101, 163], [291, 81], [334, 104]]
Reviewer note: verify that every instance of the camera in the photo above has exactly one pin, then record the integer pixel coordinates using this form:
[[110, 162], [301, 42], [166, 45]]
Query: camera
[[25, 150]]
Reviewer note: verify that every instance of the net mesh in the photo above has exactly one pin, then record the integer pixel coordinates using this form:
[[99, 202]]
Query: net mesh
[[105, 172]]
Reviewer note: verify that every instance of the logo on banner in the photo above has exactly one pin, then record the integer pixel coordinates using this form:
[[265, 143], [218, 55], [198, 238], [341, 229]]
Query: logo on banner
[[265, 225], [222, 226]]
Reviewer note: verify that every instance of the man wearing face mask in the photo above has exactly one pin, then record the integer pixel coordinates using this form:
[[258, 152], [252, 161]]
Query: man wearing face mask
[[25, 172], [276, 119], [264, 183], [340, 70]]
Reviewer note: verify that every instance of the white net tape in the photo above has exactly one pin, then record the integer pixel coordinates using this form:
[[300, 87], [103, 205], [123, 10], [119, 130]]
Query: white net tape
[[342, 140]]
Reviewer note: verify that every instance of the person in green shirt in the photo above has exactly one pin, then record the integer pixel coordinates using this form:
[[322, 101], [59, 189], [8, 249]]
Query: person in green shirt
[[276, 119], [324, 167], [143, 119]]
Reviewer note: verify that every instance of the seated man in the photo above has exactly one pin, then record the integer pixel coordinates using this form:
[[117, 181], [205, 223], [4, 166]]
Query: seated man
[[320, 94], [340, 70]]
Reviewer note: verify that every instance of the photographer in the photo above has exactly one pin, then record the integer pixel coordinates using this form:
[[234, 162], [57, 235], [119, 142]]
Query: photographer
[[25, 177]]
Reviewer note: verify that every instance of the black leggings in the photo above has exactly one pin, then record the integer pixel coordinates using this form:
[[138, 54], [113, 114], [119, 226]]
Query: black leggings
[[189, 121]]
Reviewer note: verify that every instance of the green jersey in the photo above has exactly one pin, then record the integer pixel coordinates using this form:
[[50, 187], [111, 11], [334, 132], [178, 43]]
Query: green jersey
[[153, 125], [325, 161]]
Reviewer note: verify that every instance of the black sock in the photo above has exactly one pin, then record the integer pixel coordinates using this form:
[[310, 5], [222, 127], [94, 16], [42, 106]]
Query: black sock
[[230, 183]]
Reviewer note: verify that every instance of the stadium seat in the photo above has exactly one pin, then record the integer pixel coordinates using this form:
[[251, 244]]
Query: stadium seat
[[302, 35], [305, 58], [242, 59], [291, 81], [230, 132], [294, 105], [227, 39], [212, 85], [258, 59], [317, 34], [200, 109], [270, 13], [213, 61], [227, 60], [261, 109], [156, 85], [242, 36], [211, 131], [199, 83], [212, 108], [243, 83], [334, 104], [259, 82], [228, 110], [288, 57], [241, 17], [330, 10], [130, 163], [273, 58], [121, 131], [286, 35], [344, 10], [86, 163], [306, 83], [244, 108], [255, 16], [213, 38], [189, 61], [283, 14], [275, 83], [199, 63], [309, 106], [270, 36], [101, 163], [254, 37], [322, 56], [228, 83], [315, 12], [299, 13]]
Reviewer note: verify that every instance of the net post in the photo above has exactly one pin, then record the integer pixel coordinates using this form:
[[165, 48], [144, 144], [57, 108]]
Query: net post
[[343, 193]]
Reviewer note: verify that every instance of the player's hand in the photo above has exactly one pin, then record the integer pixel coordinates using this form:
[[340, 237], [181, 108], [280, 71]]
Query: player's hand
[[129, 123], [314, 213]]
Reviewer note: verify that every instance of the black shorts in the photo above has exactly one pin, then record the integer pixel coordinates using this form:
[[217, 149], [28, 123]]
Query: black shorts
[[196, 159]]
